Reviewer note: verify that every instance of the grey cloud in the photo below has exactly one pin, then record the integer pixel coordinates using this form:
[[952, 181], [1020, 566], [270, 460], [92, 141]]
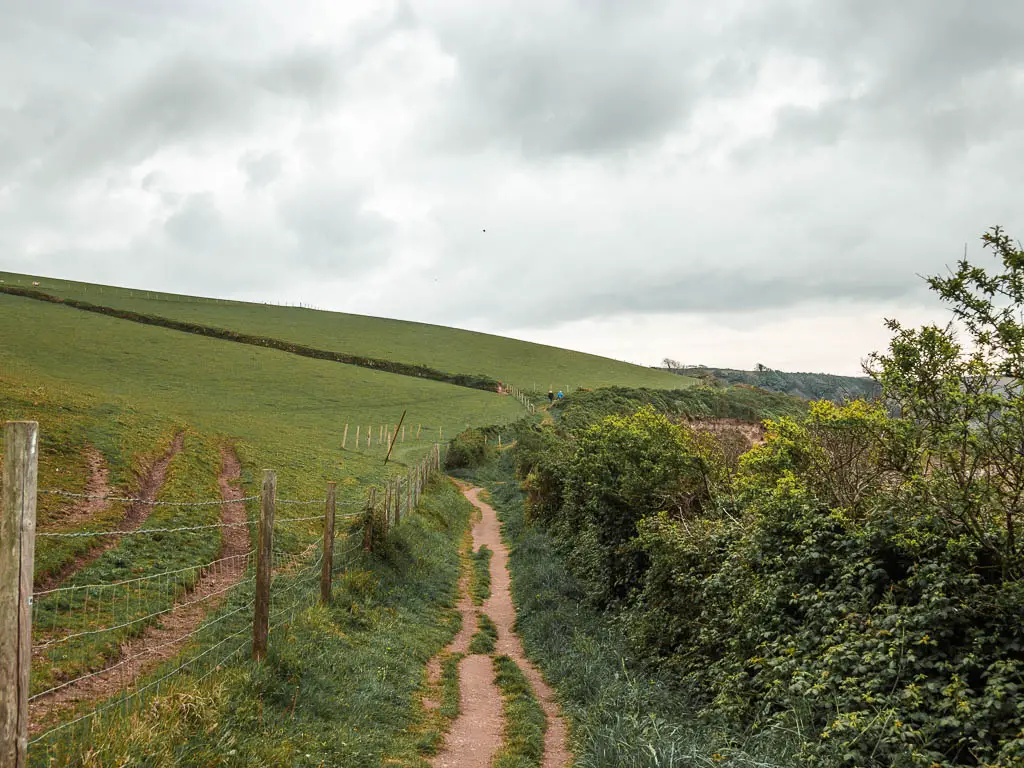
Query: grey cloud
[[334, 230], [261, 169], [940, 77], [569, 79], [196, 224]]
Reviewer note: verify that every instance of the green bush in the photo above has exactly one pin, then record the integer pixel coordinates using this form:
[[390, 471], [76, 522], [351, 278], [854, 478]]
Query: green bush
[[467, 450]]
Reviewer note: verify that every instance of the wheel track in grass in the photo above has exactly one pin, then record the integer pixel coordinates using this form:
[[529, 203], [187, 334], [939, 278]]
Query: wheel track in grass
[[135, 515], [165, 638]]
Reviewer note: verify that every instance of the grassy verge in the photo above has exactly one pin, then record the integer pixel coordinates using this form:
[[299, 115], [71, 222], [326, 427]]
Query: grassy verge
[[340, 685], [523, 739], [486, 635], [623, 714], [481, 584]]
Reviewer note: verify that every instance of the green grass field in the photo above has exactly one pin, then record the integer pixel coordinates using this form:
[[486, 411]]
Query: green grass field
[[283, 412], [122, 390], [526, 365]]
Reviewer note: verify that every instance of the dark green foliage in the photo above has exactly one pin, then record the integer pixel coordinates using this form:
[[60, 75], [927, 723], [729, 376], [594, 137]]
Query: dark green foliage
[[486, 635], [467, 450], [857, 580], [525, 723], [744, 403], [807, 386]]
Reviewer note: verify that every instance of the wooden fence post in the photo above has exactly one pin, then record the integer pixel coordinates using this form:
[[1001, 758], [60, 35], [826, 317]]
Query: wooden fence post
[[397, 500], [418, 431], [344, 437], [371, 503], [409, 491], [264, 557], [369, 434], [325, 574], [17, 553], [403, 433], [357, 435]]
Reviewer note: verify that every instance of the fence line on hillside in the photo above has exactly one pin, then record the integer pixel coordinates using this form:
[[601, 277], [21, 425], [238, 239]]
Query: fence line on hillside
[[522, 397], [98, 646]]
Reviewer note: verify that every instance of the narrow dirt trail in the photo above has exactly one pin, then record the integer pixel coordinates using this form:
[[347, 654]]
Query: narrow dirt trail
[[134, 517], [164, 639], [501, 610], [475, 737]]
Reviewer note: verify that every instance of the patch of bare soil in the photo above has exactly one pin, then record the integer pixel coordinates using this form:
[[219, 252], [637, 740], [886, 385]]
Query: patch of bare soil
[[161, 641], [751, 431], [135, 515]]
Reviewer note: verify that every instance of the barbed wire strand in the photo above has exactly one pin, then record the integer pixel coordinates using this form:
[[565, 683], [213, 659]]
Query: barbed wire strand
[[142, 531], [162, 574], [146, 502]]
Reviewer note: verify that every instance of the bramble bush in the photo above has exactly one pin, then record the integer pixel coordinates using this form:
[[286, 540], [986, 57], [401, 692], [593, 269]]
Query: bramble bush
[[857, 579]]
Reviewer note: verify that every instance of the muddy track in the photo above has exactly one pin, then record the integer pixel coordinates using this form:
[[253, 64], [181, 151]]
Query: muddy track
[[476, 734], [163, 640], [98, 485], [135, 515]]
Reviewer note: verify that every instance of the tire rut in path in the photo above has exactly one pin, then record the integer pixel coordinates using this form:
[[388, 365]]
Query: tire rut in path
[[134, 517], [159, 642], [476, 734]]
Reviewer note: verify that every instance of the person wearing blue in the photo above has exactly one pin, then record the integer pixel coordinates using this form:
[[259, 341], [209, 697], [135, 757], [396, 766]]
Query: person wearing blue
[[561, 394]]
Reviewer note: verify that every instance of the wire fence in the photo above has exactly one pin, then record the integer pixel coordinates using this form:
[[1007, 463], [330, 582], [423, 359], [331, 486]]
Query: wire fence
[[101, 640]]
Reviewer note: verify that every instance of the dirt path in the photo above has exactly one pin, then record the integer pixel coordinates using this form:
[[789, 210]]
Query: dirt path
[[476, 735], [160, 641], [135, 515]]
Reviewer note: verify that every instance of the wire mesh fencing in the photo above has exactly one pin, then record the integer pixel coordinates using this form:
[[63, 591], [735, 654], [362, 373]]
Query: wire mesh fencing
[[177, 596]]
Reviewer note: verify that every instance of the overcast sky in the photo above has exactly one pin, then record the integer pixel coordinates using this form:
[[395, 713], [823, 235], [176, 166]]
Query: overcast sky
[[724, 182]]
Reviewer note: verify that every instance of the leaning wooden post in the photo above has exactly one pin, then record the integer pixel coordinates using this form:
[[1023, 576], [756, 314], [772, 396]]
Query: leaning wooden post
[[17, 554], [264, 555], [371, 503], [344, 437], [328, 565]]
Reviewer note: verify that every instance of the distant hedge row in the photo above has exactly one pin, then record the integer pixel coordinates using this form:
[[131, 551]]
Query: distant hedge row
[[472, 381]]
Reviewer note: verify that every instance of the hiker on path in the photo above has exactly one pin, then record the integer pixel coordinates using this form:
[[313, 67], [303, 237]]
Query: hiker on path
[[561, 394], [551, 396]]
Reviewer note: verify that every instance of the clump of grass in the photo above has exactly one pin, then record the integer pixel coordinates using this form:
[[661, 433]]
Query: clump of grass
[[525, 723], [486, 635], [481, 582], [450, 700]]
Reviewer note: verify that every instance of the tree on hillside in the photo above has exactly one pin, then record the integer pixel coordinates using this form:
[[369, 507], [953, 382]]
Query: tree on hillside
[[672, 365], [964, 410]]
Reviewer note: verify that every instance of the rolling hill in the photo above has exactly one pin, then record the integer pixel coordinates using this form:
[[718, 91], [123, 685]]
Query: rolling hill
[[527, 365]]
